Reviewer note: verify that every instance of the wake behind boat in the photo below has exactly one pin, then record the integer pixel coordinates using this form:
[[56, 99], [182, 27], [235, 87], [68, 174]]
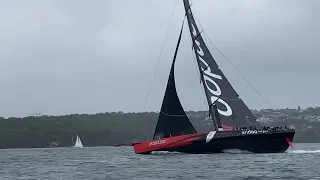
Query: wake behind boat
[[175, 132]]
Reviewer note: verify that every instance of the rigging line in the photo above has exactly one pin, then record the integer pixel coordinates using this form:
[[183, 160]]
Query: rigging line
[[239, 72], [165, 38], [230, 61]]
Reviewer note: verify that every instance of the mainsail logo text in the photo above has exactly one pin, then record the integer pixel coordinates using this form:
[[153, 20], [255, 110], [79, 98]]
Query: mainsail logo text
[[209, 76]]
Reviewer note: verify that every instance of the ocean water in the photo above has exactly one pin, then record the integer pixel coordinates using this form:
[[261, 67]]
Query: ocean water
[[302, 162]]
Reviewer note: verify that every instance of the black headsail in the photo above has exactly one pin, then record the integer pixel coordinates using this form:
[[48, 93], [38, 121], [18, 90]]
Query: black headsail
[[172, 120], [232, 110]]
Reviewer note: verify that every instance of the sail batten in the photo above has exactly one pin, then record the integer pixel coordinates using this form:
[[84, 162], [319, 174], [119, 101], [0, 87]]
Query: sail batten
[[232, 110], [172, 120]]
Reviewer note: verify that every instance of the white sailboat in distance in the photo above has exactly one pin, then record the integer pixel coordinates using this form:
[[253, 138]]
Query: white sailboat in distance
[[78, 143]]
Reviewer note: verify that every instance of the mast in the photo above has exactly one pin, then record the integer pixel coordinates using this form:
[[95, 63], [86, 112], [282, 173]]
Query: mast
[[220, 94], [194, 30], [216, 115]]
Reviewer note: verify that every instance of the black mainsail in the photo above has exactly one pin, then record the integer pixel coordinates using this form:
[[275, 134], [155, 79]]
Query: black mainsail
[[172, 120], [232, 109]]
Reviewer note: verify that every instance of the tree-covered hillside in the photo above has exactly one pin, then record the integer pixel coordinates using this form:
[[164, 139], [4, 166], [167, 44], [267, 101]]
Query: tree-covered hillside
[[111, 128]]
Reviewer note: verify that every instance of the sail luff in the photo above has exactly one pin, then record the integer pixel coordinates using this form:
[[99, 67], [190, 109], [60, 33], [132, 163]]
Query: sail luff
[[231, 108]]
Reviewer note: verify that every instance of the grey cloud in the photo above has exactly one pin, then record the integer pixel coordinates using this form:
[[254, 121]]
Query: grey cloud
[[78, 56]]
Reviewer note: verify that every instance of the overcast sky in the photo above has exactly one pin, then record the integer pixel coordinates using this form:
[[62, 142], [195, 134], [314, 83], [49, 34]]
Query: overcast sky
[[81, 56]]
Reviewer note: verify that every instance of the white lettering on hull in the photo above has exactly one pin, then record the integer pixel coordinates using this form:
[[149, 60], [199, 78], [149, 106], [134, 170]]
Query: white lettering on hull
[[153, 143], [254, 132], [209, 76]]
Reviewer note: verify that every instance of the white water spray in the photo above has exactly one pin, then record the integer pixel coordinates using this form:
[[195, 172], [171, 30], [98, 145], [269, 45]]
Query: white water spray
[[304, 151]]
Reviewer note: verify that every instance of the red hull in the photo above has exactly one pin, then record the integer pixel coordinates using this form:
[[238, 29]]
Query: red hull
[[165, 143], [256, 141]]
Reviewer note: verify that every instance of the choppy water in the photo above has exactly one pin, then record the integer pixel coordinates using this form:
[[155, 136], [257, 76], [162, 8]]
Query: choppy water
[[121, 163]]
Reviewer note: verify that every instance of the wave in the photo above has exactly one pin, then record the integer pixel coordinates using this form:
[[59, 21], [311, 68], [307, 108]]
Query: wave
[[304, 151], [236, 151], [164, 152]]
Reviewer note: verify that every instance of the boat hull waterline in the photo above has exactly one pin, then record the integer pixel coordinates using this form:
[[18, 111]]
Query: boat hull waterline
[[255, 141]]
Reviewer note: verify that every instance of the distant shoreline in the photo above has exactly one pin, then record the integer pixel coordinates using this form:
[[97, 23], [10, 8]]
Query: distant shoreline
[[106, 129]]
